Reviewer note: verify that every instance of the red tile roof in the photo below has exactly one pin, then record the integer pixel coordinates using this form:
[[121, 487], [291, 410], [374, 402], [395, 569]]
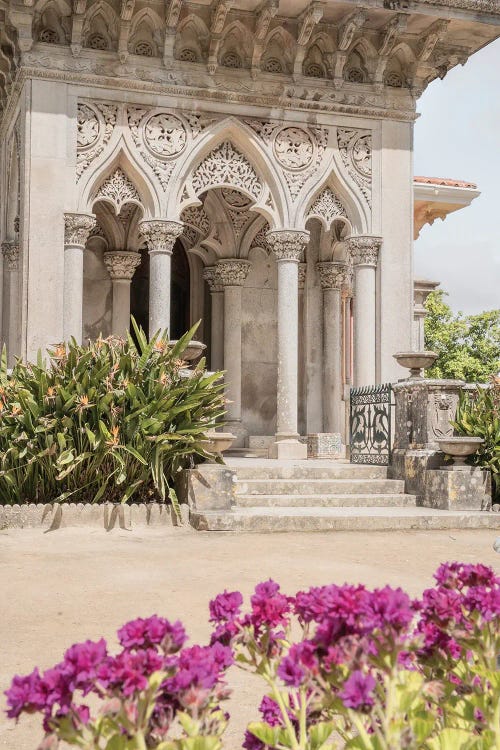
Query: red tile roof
[[445, 182]]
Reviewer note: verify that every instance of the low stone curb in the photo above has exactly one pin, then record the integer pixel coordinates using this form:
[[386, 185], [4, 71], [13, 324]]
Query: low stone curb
[[51, 516]]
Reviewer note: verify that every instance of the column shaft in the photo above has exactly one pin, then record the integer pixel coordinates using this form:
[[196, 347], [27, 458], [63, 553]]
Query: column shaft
[[216, 338], [364, 251], [232, 351], [10, 251], [77, 228], [332, 393]]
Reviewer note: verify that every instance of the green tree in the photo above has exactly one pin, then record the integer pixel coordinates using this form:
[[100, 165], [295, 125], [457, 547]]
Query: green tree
[[468, 346]]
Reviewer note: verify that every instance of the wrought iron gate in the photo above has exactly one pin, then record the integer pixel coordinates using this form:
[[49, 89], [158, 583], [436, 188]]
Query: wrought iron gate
[[370, 424]]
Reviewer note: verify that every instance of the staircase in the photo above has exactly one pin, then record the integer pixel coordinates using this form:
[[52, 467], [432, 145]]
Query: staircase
[[318, 495]]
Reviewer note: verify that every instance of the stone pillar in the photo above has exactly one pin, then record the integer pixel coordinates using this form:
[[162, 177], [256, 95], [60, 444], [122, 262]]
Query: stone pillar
[[160, 236], [421, 290], [217, 322], [77, 228], [364, 252], [302, 351], [347, 300], [288, 247], [121, 266], [10, 252], [333, 277], [231, 275]]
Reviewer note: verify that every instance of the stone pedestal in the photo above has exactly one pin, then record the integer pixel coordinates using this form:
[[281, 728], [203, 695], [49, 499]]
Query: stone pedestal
[[77, 228], [288, 247], [160, 237], [207, 487], [460, 488]]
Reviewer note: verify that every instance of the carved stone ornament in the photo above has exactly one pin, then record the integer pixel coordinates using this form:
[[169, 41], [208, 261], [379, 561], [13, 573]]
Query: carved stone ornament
[[364, 250], [210, 276], [235, 199], [260, 239], [160, 235], [197, 218], [77, 229], [225, 166], [288, 244], [10, 252], [327, 206], [232, 272], [165, 135], [302, 275], [442, 408], [121, 264], [333, 275], [95, 125], [355, 148], [118, 189], [294, 148]]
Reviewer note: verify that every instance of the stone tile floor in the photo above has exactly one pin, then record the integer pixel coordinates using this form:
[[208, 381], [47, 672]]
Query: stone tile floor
[[60, 587]]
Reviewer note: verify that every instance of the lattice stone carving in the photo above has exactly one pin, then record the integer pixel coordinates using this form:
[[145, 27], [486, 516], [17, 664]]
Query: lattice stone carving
[[161, 168], [327, 206], [232, 272], [121, 264], [297, 179], [260, 239], [160, 235], [333, 275], [10, 252], [77, 229], [119, 190], [294, 148], [288, 244], [235, 199], [364, 250], [95, 125], [196, 217], [355, 148], [226, 166], [165, 134]]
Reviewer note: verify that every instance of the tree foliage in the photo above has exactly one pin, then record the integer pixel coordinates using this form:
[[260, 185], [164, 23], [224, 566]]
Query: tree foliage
[[468, 346]]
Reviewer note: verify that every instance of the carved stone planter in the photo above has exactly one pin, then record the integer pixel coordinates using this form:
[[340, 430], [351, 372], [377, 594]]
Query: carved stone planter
[[218, 442], [193, 351], [416, 362], [460, 448]]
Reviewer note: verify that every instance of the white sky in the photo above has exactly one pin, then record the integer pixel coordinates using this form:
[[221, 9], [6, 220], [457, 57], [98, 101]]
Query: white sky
[[458, 136]]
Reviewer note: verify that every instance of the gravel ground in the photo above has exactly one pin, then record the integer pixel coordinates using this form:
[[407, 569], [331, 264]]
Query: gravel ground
[[72, 584]]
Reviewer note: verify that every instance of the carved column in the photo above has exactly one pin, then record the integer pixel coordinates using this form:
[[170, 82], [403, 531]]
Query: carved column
[[160, 236], [77, 228], [10, 252], [217, 322], [231, 275], [288, 247], [333, 277], [364, 252], [121, 266]]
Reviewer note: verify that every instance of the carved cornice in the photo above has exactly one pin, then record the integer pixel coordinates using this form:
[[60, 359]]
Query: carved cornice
[[77, 229], [10, 252], [288, 244], [122, 264], [232, 272], [333, 275], [364, 250], [160, 235]]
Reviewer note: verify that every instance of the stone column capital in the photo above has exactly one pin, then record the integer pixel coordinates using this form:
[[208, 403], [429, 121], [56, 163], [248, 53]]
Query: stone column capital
[[121, 264], [210, 276], [77, 228], [232, 272], [364, 250], [333, 275], [288, 244], [302, 276], [10, 252], [160, 234]]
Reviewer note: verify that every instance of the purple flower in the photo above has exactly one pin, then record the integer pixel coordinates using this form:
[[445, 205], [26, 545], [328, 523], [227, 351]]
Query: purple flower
[[357, 692], [442, 605], [225, 607], [300, 664], [81, 662], [24, 695], [484, 600], [153, 631], [270, 608], [391, 608], [252, 743]]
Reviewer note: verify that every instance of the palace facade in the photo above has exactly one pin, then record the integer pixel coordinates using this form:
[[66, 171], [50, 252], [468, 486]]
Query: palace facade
[[246, 164]]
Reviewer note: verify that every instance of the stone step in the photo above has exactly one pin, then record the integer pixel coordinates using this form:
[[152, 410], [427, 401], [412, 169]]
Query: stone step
[[308, 486], [341, 519], [324, 501], [306, 470]]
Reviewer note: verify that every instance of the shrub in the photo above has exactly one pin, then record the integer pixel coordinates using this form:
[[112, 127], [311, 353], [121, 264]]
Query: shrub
[[344, 667], [478, 415], [111, 421]]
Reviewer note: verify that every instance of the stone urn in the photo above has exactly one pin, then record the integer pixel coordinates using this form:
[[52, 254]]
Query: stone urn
[[460, 448], [217, 442], [415, 362], [192, 352]]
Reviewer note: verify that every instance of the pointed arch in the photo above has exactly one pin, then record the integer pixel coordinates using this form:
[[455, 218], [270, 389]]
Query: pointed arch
[[252, 172], [101, 26], [235, 50], [278, 52], [316, 63], [191, 42], [333, 200], [145, 36], [52, 21]]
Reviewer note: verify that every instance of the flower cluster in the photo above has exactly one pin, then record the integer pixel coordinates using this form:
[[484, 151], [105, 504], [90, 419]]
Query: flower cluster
[[142, 689]]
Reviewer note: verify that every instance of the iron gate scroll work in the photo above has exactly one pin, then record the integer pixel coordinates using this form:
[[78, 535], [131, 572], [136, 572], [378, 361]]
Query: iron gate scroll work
[[370, 424]]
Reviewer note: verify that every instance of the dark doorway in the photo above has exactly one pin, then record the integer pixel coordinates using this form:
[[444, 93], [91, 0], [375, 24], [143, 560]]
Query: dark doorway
[[180, 290]]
